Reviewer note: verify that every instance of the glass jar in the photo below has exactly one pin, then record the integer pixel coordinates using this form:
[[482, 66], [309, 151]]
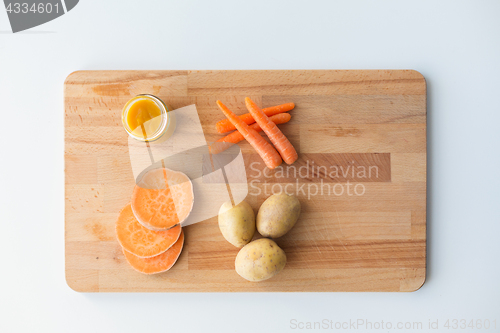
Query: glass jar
[[147, 118]]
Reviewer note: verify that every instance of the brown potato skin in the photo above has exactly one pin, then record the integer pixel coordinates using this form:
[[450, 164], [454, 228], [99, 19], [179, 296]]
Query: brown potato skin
[[260, 260], [277, 215], [237, 224]]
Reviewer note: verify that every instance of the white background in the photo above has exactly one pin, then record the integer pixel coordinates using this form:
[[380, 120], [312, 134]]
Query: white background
[[454, 44]]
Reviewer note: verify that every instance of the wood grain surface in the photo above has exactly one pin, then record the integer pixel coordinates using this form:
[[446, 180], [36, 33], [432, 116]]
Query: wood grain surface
[[375, 241]]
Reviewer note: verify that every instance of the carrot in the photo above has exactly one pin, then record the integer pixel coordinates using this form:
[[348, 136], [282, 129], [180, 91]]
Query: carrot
[[235, 137], [225, 125], [267, 152], [279, 140]]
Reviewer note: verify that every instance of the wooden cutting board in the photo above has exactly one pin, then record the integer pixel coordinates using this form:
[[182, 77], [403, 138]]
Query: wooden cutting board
[[373, 239]]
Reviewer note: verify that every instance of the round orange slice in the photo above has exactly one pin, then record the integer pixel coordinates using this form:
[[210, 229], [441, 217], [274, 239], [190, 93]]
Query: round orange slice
[[141, 241], [162, 199], [157, 264]]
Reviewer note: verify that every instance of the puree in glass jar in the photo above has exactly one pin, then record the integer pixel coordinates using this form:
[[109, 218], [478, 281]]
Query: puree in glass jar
[[144, 117], [147, 118]]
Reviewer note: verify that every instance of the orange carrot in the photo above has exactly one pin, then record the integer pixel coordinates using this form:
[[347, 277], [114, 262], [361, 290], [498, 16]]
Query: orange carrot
[[279, 140], [225, 125], [267, 152], [235, 137]]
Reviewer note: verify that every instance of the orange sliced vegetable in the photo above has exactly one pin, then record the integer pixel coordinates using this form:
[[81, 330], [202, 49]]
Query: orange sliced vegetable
[[141, 241], [157, 264], [267, 152], [279, 140], [235, 137], [162, 199], [225, 125]]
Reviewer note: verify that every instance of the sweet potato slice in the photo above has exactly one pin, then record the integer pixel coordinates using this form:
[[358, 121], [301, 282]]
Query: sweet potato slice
[[162, 199], [141, 241], [159, 263]]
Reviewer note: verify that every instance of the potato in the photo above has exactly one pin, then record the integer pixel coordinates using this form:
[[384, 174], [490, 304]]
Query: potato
[[277, 215], [237, 223], [260, 260]]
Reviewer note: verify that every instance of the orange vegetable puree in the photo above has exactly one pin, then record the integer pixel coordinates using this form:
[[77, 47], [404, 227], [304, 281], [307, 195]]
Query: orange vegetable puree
[[144, 117]]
